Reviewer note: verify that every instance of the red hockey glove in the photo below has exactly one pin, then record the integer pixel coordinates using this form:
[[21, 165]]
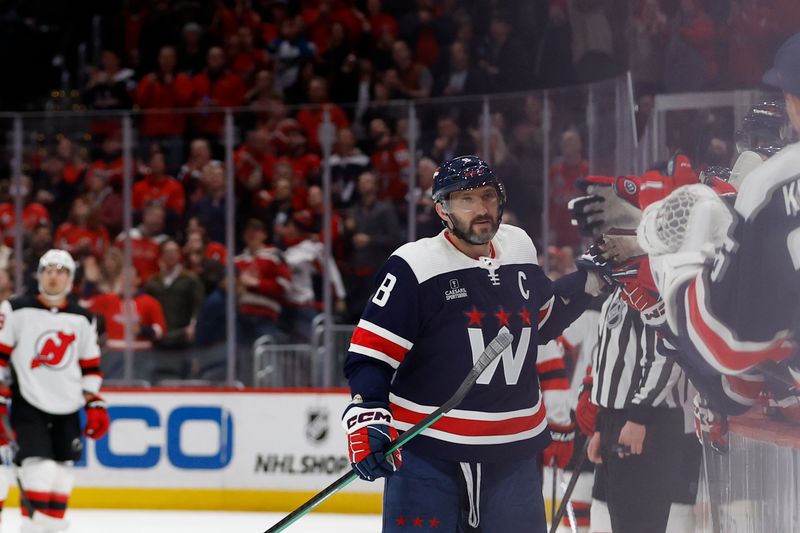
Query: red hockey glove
[[561, 449], [97, 420], [586, 411], [710, 425], [639, 290], [5, 402], [369, 432]]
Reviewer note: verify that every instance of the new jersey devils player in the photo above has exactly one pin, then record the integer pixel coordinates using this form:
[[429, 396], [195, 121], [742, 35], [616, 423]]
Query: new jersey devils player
[[50, 368]]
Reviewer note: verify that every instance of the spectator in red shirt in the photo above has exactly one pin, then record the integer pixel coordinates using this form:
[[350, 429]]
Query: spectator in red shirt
[[144, 316], [34, 214], [146, 239], [691, 61], [262, 281], [106, 201], [109, 164], [82, 234], [390, 161], [310, 118], [306, 165], [191, 173], [253, 161], [216, 251], [215, 87], [74, 163], [381, 23], [158, 187], [165, 89], [563, 175], [413, 79], [245, 58], [317, 209]]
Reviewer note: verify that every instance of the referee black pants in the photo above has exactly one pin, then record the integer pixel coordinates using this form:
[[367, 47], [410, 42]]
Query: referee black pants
[[639, 489]]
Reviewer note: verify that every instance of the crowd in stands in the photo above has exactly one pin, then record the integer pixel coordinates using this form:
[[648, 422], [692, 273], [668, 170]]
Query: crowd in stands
[[285, 65]]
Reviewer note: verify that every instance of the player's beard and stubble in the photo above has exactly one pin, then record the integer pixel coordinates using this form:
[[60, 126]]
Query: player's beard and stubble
[[479, 230]]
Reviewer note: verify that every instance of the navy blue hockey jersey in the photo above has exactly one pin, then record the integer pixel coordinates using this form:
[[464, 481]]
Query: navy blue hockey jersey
[[434, 311], [746, 309]]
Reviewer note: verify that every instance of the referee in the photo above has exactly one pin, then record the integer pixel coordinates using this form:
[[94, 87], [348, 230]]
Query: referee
[[639, 442]]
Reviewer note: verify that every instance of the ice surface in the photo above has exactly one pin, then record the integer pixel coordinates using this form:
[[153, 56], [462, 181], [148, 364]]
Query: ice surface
[[113, 521]]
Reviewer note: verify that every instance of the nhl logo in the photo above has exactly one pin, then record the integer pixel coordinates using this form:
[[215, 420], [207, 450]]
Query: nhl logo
[[317, 425], [616, 312]]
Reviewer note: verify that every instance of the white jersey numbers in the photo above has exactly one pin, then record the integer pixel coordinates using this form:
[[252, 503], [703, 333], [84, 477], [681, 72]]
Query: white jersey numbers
[[384, 291]]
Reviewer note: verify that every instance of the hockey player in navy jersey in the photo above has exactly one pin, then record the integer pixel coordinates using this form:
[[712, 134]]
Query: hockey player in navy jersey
[[49, 370], [439, 302], [729, 279]]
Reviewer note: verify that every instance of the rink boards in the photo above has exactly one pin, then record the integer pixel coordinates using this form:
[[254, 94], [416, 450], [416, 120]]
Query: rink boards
[[231, 450]]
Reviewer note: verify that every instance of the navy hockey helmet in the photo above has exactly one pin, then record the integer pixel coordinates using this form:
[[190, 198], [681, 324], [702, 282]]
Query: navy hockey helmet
[[465, 173], [765, 129]]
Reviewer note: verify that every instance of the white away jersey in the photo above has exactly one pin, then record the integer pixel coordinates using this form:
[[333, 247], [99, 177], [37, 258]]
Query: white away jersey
[[434, 311], [53, 352]]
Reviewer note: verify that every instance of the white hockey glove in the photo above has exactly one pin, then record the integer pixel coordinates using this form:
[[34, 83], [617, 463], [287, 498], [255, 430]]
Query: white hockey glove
[[681, 233]]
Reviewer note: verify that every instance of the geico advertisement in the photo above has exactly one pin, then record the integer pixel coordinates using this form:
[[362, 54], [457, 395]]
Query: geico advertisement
[[233, 440]]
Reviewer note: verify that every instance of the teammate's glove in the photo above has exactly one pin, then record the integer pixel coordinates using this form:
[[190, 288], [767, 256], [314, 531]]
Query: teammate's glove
[[587, 213], [710, 425], [97, 420], [369, 432], [560, 450], [5, 402], [586, 411], [593, 260], [639, 290]]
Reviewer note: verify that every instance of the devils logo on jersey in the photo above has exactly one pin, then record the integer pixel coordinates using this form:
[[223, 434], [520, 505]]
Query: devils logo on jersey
[[54, 349]]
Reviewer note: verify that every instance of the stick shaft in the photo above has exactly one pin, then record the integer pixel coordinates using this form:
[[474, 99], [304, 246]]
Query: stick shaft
[[570, 486], [492, 351]]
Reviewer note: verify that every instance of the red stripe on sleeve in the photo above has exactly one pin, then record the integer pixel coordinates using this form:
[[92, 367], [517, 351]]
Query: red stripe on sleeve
[[368, 339], [733, 359]]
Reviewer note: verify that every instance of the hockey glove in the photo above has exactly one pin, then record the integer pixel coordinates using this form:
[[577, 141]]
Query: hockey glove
[[560, 450], [639, 290], [710, 425], [97, 420], [369, 433], [593, 260], [5, 402], [587, 213], [586, 411]]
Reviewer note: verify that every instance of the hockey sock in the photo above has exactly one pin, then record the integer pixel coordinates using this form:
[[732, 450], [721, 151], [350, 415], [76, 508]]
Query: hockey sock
[[62, 488], [37, 476]]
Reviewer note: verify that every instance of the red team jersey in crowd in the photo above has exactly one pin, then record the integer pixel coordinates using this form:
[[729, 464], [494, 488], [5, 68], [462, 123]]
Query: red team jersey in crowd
[[216, 251], [74, 239], [146, 251], [432, 315], [53, 351], [274, 279], [33, 215], [167, 192], [563, 188], [391, 164], [145, 311]]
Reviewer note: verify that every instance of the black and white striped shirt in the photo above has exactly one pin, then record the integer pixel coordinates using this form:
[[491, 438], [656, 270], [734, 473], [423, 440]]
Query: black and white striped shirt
[[629, 371]]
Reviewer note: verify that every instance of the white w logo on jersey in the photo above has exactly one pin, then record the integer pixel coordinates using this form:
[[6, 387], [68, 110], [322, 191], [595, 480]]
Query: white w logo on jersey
[[512, 361]]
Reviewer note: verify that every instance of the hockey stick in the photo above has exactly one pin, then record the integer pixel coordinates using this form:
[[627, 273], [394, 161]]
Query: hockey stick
[[576, 472], [553, 493], [492, 351], [46, 521], [23, 498]]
